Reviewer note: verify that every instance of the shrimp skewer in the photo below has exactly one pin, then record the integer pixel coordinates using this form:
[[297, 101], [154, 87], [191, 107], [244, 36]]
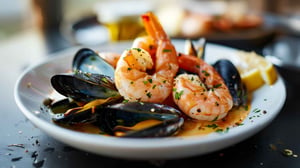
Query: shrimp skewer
[[138, 76], [204, 96]]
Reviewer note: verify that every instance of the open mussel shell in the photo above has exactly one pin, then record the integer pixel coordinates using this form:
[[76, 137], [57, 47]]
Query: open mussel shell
[[84, 87], [87, 60], [69, 112], [198, 49], [233, 81], [123, 117], [62, 106], [75, 118]]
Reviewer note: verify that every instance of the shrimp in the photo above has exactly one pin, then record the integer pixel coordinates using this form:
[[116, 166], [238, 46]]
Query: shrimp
[[138, 77], [204, 96], [110, 57]]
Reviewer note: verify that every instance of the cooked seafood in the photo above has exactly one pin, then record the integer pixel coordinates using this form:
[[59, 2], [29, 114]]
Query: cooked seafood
[[132, 77], [132, 119], [111, 57], [123, 95], [226, 70], [88, 61], [204, 96], [84, 87], [233, 81]]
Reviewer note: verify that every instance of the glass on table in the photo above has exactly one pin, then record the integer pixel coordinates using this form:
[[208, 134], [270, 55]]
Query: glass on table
[[122, 18]]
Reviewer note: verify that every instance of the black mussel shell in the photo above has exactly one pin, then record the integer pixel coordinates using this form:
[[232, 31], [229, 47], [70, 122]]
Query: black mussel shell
[[68, 112], [76, 117], [83, 87], [62, 106], [129, 114], [197, 50], [87, 60], [232, 80]]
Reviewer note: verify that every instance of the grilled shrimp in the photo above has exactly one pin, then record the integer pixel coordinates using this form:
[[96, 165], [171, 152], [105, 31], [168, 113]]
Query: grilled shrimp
[[204, 96], [138, 76]]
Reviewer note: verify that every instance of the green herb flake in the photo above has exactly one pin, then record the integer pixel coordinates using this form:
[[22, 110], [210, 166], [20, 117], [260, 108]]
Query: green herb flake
[[150, 80], [104, 80], [217, 103], [149, 94], [205, 73], [125, 101], [219, 130], [217, 85], [178, 95], [256, 110], [93, 58], [137, 49], [213, 126], [215, 119], [167, 50]]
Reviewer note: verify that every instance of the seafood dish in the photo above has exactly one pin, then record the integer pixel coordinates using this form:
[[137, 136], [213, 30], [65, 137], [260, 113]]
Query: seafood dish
[[150, 90]]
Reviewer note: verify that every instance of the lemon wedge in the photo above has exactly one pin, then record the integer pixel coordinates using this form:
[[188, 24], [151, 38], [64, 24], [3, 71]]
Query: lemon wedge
[[255, 70]]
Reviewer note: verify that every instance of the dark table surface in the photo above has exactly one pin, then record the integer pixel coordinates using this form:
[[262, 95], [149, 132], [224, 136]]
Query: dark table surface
[[24, 145]]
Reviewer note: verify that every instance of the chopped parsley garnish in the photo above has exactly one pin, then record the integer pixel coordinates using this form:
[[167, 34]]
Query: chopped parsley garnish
[[125, 101], [217, 85], [167, 50], [93, 58], [256, 110], [178, 95], [149, 94], [205, 73], [222, 130], [104, 80], [213, 126], [215, 119], [138, 49]]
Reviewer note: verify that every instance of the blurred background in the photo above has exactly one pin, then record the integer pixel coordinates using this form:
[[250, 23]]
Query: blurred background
[[42, 27]]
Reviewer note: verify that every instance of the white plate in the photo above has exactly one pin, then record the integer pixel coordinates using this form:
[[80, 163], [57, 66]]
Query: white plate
[[29, 99]]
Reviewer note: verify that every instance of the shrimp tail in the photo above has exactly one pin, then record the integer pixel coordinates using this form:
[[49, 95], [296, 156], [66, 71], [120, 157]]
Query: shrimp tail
[[153, 27]]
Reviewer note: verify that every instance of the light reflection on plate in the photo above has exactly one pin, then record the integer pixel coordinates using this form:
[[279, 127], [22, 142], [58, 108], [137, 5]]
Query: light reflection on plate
[[29, 100]]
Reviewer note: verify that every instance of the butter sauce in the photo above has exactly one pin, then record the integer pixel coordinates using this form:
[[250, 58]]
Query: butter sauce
[[190, 127]]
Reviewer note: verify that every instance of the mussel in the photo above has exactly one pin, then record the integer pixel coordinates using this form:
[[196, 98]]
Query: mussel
[[131, 119], [225, 68], [92, 98], [92, 78], [233, 81], [84, 87], [197, 50], [88, 61]]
